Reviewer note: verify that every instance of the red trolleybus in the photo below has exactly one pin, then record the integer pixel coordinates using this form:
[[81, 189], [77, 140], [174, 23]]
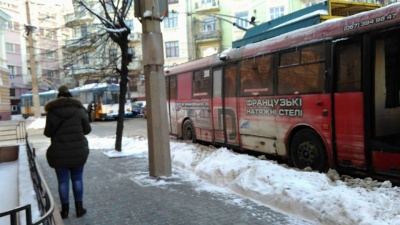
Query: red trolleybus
[[323, 96]]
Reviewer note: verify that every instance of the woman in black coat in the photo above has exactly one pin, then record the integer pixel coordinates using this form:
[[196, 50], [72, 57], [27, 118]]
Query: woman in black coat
[[67, 124]]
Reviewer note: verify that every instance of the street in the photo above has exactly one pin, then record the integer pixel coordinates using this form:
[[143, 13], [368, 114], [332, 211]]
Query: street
[[114, 193]]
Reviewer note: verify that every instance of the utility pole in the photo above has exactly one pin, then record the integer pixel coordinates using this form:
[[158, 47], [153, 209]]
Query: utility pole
[[35, 92], [150, 13]]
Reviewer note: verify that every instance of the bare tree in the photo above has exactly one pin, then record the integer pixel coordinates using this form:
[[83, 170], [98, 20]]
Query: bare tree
[[112, 15]]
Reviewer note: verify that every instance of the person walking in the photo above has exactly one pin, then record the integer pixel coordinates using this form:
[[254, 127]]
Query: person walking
[[90, 110], [67, 123]]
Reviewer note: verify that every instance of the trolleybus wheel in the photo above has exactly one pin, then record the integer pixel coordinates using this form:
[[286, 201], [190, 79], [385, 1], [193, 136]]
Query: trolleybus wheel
[[188, 131], [307, 150]]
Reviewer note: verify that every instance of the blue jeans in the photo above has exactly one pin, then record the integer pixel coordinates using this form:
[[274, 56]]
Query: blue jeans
[[63, 176]]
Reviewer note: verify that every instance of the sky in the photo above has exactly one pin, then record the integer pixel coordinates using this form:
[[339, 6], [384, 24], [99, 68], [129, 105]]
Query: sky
[[316, 197]]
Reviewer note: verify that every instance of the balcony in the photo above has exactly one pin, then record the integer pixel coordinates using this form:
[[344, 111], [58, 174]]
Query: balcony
[[86, 69], [208, 36], [135, 37], [72, 45], [77, 18], [206, 6]]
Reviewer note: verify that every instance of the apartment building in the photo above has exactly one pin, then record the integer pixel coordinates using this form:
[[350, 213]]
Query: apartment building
[[199, 28], [46, 27], [5, 111], [193, 29], [92, 61]]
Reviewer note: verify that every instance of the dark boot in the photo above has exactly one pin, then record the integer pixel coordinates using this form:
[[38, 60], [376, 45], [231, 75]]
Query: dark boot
[[64, 211], [80, 211]]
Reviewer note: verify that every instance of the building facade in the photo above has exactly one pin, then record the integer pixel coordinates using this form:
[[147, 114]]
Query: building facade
[[92, 61], [5, 110], [199, 28], [46, 27], [193, 29]]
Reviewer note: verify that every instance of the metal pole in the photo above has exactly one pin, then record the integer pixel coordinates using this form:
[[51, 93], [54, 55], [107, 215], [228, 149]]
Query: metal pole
[[35, 91], [153, 61]]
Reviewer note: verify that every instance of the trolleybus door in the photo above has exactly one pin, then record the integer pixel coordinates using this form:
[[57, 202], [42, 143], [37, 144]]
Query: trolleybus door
[[348, 104], [217, 110], [385, 111], [227, 115], [171, 84]]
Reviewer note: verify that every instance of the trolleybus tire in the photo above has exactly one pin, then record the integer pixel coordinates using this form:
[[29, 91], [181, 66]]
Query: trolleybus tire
[[308, 150], [188, 131]]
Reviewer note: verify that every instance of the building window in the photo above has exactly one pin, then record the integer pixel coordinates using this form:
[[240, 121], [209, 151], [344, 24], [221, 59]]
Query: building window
[[10, 47], [49, 54], [84, 32], [81, 8], [131, 51], [14, 108], [109, 6], [276, 12], [50, 73], [113, 55], [173, 1], [209, 2], [171, 21], [13, 25], [85, 58], [208, 24], [129, 24], [241, 19], [12, 92], [10, 25], [172, 49], [49, 34], [12, 70], [15, 48]]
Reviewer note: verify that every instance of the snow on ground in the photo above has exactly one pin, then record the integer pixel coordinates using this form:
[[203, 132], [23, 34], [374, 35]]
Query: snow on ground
[[323, 198]]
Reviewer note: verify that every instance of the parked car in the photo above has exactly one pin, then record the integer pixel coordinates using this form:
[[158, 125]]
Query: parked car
[[136, 110], [142, 105]]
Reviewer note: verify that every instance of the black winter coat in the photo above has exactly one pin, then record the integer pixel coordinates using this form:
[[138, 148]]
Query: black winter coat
[[69, 146]]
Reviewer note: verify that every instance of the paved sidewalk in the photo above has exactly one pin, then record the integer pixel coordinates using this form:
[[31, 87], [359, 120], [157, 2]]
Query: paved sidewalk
[[119, 191]]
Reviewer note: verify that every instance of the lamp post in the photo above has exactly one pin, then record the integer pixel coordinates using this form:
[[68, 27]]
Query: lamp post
[[151, 12], [35, 90]]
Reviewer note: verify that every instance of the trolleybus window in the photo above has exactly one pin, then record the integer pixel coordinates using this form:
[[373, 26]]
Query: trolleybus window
[[172, 87], [230, 81], [201, 84], [111, 97], [302, 71], [256, 76], [349, 68], [392, 69]]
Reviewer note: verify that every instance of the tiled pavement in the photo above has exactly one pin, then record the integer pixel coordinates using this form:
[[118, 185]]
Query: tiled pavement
[[118, 191]]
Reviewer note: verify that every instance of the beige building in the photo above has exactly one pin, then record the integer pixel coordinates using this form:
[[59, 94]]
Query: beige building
[[46, 24], [5, 110], [199, 28]]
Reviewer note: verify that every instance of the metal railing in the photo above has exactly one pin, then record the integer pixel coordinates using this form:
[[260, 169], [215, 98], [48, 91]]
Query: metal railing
[[43, 194], [14, 212], [44, 197]]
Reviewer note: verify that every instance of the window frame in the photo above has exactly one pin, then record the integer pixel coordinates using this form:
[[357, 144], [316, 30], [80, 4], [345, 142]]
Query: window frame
[[201, 83], [276, 12], [171, 21], [172, 49]]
